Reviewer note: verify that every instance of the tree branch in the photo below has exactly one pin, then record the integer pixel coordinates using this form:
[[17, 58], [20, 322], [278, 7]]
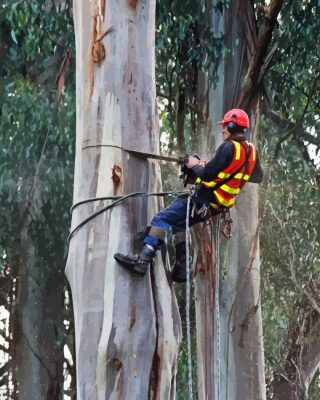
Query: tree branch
[[267, 64], [251, 82]]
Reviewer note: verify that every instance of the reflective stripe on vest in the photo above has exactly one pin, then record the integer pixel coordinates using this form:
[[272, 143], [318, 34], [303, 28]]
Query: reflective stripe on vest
[[253, 151], [238, 150], [222, 175], [223, 202]]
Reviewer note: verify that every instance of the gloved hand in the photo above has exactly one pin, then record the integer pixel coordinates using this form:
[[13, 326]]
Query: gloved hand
[[192, 161], [188, 176]]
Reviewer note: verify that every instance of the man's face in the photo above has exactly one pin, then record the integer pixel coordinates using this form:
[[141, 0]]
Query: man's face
[[226, 133]]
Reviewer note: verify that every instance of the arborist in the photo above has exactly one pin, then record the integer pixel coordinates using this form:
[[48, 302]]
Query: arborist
[[217, 183]]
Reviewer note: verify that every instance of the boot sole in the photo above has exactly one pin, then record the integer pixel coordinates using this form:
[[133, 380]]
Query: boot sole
[[128, 266]]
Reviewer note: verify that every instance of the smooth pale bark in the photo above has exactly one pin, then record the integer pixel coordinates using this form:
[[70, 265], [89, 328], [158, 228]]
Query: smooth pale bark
[[241, 360], [208, 139], [127, 328]]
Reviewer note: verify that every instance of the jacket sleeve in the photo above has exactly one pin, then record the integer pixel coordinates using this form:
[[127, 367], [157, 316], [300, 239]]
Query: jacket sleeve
[[257, 173], [220, 161]]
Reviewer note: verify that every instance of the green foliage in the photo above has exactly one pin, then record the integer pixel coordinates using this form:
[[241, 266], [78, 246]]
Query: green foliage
[[38, 30], [186, 45], [294, 80], [36, 134], [37, 151]]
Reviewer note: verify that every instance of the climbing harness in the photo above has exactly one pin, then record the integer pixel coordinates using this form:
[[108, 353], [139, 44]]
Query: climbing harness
[[203, 211], [190, 383]]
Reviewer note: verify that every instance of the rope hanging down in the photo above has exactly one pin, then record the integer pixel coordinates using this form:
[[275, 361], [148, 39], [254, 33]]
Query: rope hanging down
[[217, 311], [190, 384]]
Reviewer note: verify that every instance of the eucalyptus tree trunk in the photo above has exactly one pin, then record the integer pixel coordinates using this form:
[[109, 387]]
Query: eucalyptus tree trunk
[[36, 344], [31, 376], [127, 328], [38, 321], [233, 368]]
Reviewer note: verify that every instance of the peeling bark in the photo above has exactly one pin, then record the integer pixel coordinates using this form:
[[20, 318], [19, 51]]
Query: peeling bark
[[133, 3]]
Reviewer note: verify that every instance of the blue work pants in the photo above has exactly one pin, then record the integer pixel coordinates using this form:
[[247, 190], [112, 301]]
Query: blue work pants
[[174, 216]]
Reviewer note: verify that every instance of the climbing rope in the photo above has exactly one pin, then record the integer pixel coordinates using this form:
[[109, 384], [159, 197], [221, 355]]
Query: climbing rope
[[217, 310], [190, 384]]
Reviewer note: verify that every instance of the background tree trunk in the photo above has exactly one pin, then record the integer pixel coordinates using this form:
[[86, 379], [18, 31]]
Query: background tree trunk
[[38, 322], [241, 362], [37, 314], [127, 328]]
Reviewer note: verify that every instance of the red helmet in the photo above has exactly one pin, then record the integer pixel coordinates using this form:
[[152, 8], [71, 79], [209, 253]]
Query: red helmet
[[238, 116]]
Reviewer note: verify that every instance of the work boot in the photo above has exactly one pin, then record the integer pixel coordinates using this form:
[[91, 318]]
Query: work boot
[[179, 269], [139, 263]]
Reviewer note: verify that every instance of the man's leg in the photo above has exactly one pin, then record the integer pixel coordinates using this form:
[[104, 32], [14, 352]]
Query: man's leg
[[173, 215], [179, 267], [179, 273]]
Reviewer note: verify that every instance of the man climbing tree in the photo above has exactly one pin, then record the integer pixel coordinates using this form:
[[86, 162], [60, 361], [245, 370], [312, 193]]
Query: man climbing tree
[[217, 184]]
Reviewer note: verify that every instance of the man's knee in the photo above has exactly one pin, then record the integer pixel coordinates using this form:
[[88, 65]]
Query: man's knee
[[157, 232]]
